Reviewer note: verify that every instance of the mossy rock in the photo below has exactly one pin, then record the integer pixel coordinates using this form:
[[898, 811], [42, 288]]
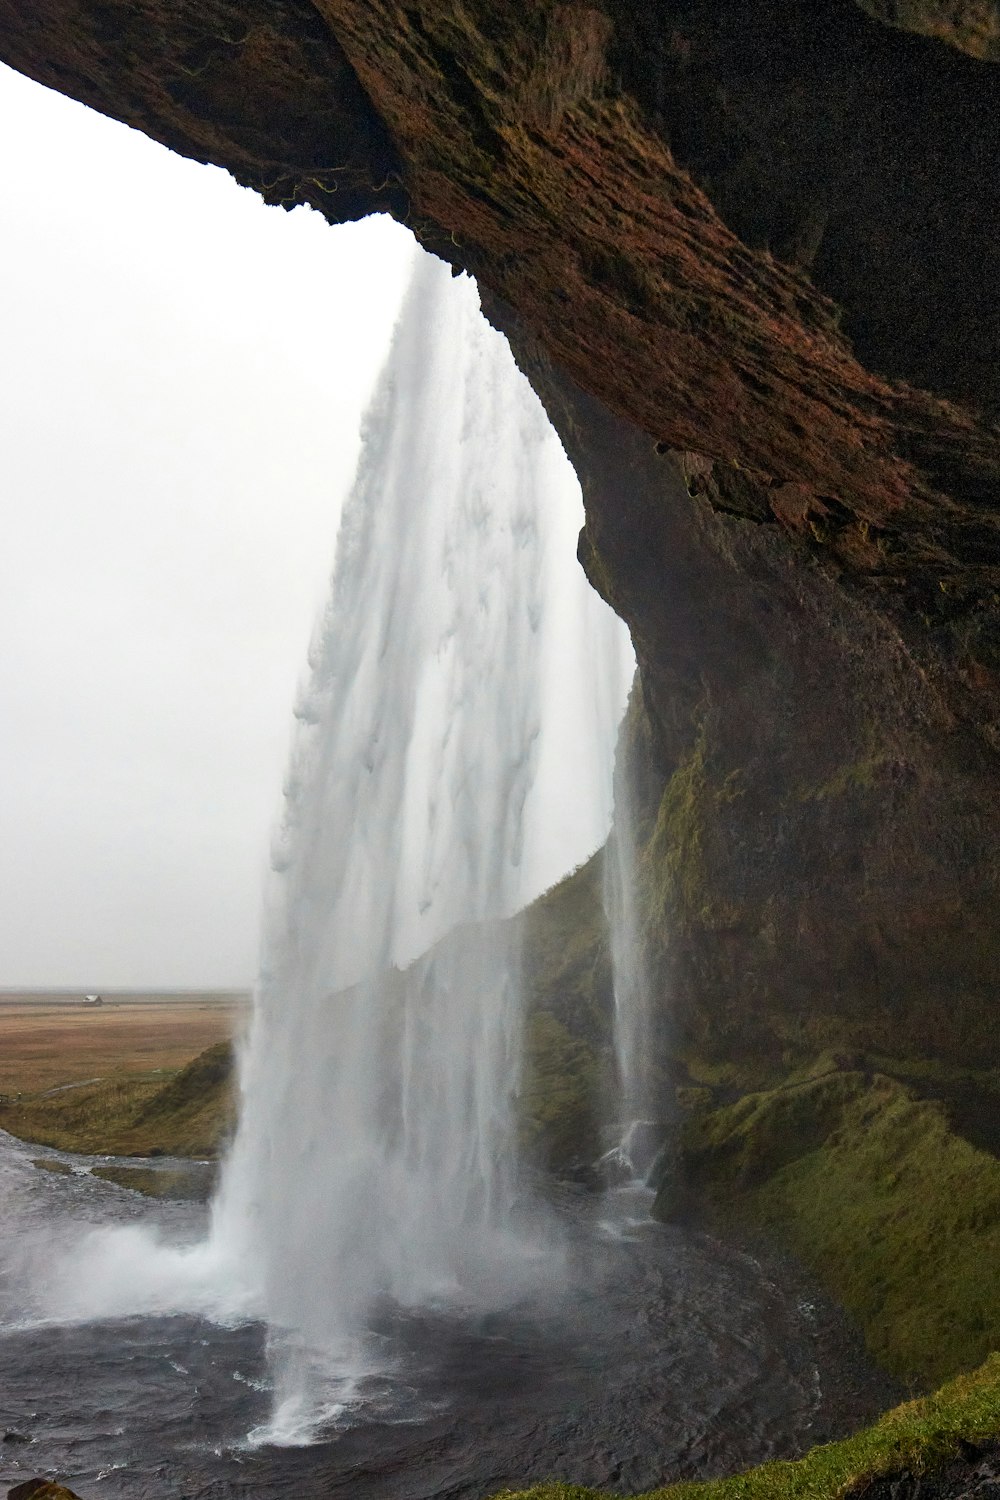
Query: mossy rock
[[567, 982], [559, 1096], [203, 1076], [872, 1188], [565, 965]]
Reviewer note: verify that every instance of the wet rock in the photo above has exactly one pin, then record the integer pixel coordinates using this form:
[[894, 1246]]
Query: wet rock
[[635, 1155], [41, 1489], [641, 1144], [613, 1169], [975, 1473]]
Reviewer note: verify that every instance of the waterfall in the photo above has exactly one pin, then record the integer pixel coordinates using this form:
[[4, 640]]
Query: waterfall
[[452, 759], [632, 1110], [375, 1164]]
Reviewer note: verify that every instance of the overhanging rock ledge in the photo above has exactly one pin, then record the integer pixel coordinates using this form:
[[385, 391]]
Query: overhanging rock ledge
[[748, 253]]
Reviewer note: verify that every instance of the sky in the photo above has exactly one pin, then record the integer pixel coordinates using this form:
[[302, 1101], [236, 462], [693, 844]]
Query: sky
[[183, 375]]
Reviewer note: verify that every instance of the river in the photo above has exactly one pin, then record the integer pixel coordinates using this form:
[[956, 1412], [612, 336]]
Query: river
[[663, 1355]]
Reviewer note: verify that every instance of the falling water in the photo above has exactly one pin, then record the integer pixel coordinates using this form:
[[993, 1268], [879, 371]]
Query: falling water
[[451, 760], [632, 1107], [375, 1163]]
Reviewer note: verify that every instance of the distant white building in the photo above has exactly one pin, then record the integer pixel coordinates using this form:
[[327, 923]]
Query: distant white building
[[92, 1000]]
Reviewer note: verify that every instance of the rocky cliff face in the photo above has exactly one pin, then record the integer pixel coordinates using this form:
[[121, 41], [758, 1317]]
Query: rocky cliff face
[[747, 251]]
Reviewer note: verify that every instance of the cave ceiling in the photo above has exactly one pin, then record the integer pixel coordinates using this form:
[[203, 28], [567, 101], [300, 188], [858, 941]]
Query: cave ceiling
[[764, 232]]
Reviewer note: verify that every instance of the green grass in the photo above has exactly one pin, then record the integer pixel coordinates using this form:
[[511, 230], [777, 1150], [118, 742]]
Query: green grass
[[872, 1189], [917, 1437], [190, 1115]]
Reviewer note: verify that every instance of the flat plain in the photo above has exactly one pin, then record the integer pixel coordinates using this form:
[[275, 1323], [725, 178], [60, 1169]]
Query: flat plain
[[47, 1041]]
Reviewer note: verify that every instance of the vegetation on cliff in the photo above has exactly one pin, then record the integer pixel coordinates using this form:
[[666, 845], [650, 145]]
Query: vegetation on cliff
[[873, 1190], [567, 981]]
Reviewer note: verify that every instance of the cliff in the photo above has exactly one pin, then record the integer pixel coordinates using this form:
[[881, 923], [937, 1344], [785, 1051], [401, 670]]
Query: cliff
[[747, 251], [748, 254]]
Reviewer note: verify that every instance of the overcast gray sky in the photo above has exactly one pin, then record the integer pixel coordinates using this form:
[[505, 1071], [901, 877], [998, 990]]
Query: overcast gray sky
[[182, 377]]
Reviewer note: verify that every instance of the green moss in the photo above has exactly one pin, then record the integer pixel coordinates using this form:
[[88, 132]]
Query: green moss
[[559, 1095], [205, 1078], [854, 776], [567, 1032], [675, 881], [917, 1437], [673, 860], [42, 1489], [564, 951], [726, 1076], [873, 1190], [933, 1070]]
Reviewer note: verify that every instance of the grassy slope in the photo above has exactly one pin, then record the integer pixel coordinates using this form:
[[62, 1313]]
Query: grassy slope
[[871, 1188], [191, 1115], [134, 1112], [917, 1437]]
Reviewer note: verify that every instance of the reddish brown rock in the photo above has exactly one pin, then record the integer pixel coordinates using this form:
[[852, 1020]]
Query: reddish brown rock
[[749, 254]]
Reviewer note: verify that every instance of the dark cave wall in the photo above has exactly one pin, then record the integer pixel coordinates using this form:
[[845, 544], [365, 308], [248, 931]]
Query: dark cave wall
[[748, 254], [818, 829], [818, 842]]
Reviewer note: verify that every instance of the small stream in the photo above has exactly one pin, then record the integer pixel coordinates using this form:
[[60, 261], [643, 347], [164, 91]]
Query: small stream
[[665, 1355]]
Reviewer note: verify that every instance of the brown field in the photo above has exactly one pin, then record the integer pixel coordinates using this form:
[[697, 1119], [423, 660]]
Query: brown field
[[133, 1076], [44, 1045]]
